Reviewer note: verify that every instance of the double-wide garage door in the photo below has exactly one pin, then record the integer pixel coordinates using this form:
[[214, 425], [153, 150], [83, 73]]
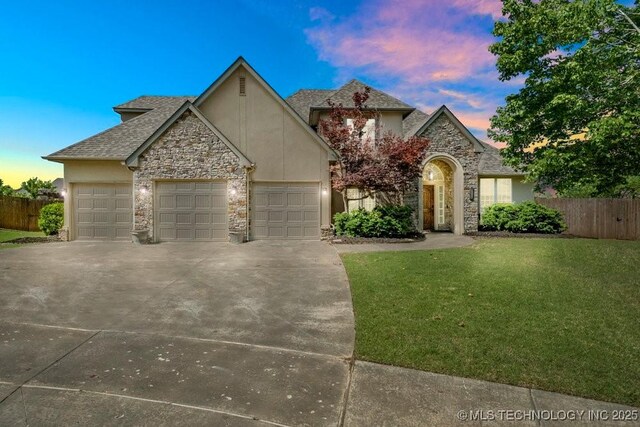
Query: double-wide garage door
[[285, 211], [102, 211], [191, 210]]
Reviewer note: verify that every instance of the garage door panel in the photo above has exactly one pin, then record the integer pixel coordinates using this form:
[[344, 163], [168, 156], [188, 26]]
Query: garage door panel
[[192, 210], [294, 216], [184, 186], [102, 211], [101, 204], [294, 199], [185, 233], [203, 201], [219, 201], [285, 211], [275, 199], [185, 201]]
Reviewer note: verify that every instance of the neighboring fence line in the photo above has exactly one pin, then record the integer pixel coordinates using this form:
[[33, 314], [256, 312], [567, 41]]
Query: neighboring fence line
[[19, 213], [599, 218]]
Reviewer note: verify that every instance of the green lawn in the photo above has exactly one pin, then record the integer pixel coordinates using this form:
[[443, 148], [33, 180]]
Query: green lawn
[[554, 314], [6, 235]]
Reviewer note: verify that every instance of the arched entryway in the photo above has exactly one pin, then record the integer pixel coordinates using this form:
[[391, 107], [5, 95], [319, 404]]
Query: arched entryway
[[440, 195]]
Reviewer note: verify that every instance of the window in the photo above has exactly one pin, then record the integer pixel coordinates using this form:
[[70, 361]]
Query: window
[[494, 190], [368, 203], [440, 204], [368, 131]]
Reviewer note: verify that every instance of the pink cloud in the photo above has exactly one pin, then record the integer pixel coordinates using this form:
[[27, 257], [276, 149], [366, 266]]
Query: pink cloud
[[413, 39], [425, 52], [492, 8]]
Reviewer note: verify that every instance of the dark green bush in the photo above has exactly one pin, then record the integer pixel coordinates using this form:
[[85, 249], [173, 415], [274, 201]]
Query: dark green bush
[[525, 217], [51, 218], [382, 221]]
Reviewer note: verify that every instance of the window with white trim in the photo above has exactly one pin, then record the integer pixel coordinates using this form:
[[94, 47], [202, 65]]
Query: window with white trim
[[440, 204], [367, 203], [368, 131], [494, 190]]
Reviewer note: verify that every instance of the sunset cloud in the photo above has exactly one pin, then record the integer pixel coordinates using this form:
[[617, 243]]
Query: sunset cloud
[[426, 52]]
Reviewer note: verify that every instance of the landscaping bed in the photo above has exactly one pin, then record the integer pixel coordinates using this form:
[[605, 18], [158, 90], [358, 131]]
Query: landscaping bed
[[347, 240], [520, 235], [554, 314]]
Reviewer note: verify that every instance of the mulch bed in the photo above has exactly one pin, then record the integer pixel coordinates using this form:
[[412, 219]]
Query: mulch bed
[[344, 240], [48, 239], [520, 235]]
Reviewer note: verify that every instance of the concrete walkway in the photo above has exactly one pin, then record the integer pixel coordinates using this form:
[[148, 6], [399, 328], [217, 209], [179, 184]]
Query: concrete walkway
[[432, 241], [383, 395]]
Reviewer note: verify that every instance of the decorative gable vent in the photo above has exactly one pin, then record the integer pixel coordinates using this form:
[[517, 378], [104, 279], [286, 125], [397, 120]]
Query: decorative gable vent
[[243, 86]]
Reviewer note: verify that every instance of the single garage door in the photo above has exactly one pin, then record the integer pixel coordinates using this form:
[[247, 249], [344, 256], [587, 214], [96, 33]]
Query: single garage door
[[102, 211], [286, 211], [191, 210]]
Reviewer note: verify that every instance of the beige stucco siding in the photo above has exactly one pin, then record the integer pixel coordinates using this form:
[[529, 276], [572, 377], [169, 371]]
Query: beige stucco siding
[[90, 171], [391, 121], [281, 148]]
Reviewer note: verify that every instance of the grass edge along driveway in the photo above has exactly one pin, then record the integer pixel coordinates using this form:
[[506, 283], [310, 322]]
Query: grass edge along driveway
[[560, 315], [6, 235]]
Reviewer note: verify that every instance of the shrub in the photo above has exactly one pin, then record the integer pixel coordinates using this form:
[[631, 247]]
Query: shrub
[[382, 221], [51, 218], [525, 217]]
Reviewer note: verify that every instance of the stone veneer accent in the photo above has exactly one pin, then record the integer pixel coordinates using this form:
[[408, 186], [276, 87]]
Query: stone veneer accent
[[189, 150], [446, 138]]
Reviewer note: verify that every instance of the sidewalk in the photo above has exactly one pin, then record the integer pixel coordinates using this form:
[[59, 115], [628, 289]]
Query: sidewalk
[[382, 395], [432, 241]]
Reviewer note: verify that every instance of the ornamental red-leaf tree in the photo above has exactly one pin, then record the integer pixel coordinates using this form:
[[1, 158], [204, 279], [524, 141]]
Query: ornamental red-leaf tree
[[386, 164]]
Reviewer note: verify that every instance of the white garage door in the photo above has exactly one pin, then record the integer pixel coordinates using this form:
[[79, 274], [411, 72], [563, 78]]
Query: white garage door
[[102, 211], [285, 211], [191, 210]]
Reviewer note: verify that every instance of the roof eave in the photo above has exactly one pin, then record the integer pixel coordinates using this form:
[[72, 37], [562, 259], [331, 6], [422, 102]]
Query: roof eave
[[61, 159], [131, 110]]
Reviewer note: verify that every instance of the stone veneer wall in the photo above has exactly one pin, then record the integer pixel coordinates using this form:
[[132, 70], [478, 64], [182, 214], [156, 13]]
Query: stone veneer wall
[[446, 138], [189, 150]]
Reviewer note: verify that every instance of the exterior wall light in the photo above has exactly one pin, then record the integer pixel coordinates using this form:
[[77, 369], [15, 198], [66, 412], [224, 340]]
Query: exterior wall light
[[472, 193], [324, 192], [63, 192], [233, 191], [144, 189]]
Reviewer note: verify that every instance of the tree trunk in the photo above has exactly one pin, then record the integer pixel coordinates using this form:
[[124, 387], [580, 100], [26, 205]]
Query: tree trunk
[[345, 200]]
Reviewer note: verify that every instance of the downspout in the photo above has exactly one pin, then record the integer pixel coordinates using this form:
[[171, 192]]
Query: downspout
[[248, 170]]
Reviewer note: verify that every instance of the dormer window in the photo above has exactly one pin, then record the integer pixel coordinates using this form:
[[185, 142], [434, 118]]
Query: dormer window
[[368, 131]]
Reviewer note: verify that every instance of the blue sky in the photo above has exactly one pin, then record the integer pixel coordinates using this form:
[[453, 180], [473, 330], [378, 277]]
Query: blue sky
[[65, 64]]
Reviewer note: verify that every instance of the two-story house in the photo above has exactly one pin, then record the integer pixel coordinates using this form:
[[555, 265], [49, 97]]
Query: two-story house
[[240, 159]]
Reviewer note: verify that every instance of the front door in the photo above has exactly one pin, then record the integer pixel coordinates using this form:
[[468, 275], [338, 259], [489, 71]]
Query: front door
[[427, 207]]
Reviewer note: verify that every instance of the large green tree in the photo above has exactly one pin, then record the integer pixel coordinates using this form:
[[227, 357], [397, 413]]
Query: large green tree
[[580, 104], [5, 190], [34, 185]]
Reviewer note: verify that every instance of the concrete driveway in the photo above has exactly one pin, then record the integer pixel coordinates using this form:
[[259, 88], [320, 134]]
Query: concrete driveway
[[175, 333]]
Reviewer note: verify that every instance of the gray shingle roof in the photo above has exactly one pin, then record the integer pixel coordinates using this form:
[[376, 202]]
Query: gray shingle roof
[[377, 99], [413, 122], [490, 163], [120, 141], [149, 102], [304, 99]]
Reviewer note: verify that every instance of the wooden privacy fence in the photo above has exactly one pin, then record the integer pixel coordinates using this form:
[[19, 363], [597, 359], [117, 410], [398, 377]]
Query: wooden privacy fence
[[18, 213], [599, 218]]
